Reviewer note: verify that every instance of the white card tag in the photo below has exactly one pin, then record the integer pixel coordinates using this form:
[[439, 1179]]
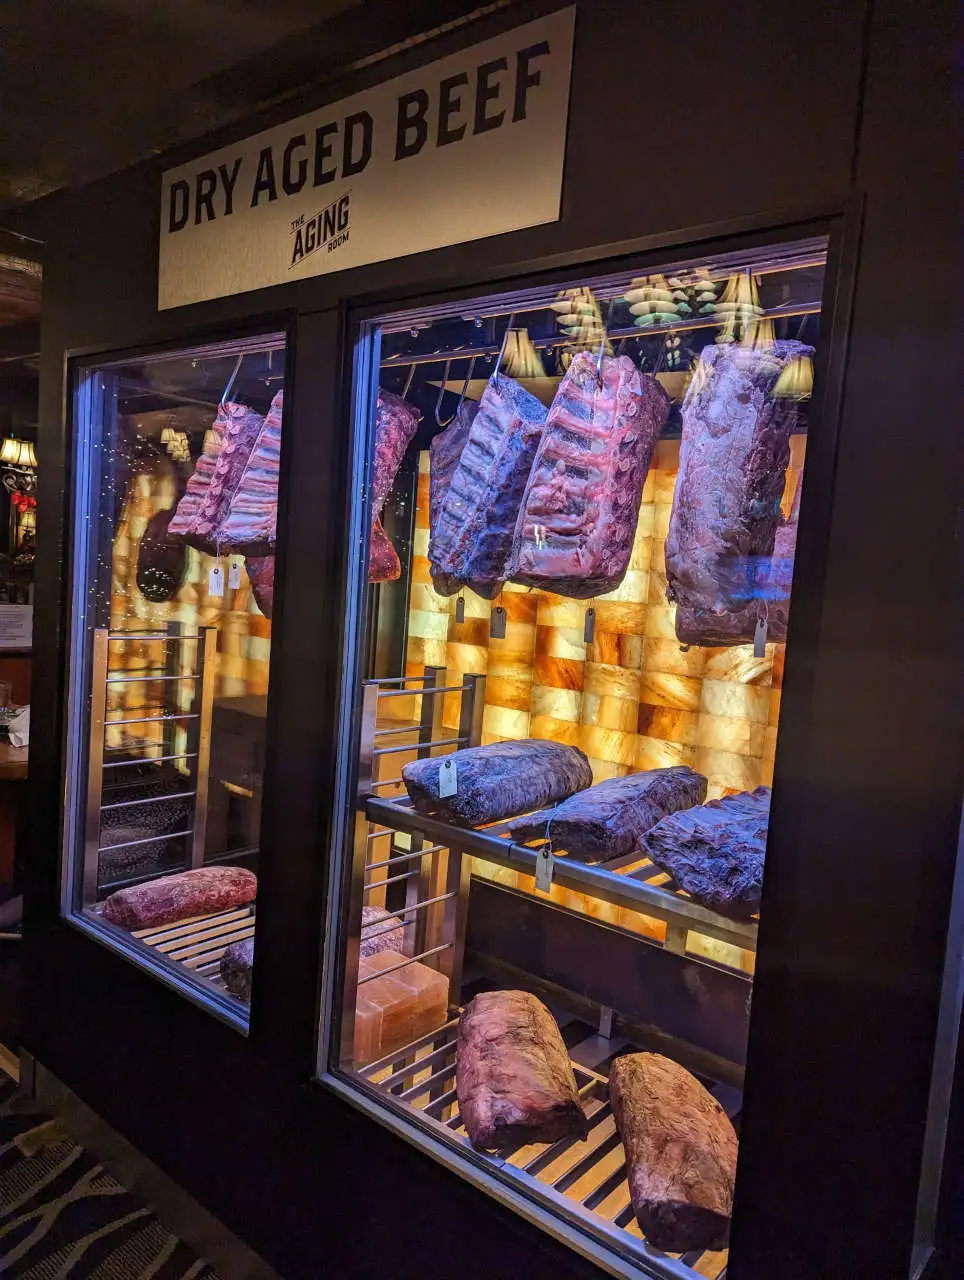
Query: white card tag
[[448, 779], [234, 575], [760, 638], [216, 581], [544, 866]]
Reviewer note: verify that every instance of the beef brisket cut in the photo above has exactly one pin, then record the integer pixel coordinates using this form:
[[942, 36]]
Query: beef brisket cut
[[236, 966], [726, 508], [513, 1076], [472, 539], [260, 571], [609, 819], [716, 852], [395, 425], [497, 781], [681, 1152], [189, 893], [444, 454], [578, 517]]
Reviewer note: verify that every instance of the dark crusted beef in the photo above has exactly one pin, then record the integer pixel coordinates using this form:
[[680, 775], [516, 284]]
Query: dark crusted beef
[[681, 1153], [444, 454], [716, 852], [726, 509], [473, 535], [578, 517], [161, 560], [513, 1076], [260, 571], [176, 897], [236, 966], [609, 819], [395, 425], [499, 780]]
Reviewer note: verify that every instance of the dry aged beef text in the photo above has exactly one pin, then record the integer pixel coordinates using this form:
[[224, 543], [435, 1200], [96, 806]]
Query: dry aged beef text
[[498, 780], [236, 966], [716, 852], [609, 819], [726, 509], [444, 454], [578, 517], [472, 538], [681, 1153], [395, 425], [513, 1076], [189, 893]]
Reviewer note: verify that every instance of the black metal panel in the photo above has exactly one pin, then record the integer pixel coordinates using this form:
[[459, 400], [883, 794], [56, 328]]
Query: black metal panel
[[683, 997]]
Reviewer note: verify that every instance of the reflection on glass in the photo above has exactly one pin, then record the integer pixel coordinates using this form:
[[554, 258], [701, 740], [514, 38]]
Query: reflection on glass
[[178, 509], [566, 690]]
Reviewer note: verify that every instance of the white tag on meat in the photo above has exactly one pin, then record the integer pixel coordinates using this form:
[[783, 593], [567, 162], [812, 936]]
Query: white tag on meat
[[234, 575], [448, 779], [216, 581], [544, 867]]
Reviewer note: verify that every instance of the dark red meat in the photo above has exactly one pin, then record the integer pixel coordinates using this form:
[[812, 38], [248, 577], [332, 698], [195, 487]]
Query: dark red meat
[[444, 454], [395, 425], [260, 570], [726, 510], [578, 518], [513, 1076], [236, 967], [189, 893], [161, 560]]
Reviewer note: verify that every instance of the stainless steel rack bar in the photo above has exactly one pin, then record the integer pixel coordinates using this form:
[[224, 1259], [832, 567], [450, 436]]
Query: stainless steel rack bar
[[380, 884], [422, 693], [403, 964], [130, 844], [401, 911], [129, 804], [175, 715], [406, 746], [405, 856], [149, 635], [126, 764], [147, 679]]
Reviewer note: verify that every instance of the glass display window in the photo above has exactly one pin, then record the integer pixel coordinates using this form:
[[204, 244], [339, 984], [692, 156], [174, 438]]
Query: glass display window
[[573, 543], [176, 507]]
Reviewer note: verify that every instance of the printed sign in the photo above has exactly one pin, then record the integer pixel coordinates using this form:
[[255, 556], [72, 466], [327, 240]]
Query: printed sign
[[470, 146]]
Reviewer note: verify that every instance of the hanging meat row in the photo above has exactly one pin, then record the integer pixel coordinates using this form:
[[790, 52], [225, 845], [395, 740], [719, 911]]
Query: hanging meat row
[[551, 498]]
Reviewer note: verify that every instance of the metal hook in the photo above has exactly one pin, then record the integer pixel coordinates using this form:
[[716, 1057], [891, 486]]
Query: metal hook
[[441, 393], [231, 381], [602, 341], [465, 386], [505, 339], [408, 380]]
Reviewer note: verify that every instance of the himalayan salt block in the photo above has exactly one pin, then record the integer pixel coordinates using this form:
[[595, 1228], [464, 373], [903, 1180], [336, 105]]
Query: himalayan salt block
[[396, 1004], [368, 1030], [428, 990]]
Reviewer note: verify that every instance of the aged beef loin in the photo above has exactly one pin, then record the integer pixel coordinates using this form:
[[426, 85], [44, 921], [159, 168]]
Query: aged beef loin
[[395, 425], [190, 893], [579, 513], [472, 539], [444, 454], [608, 820], [715, 852], [681, 1153], [236, 965], [513, 1076], [497, 781], [726, 509]]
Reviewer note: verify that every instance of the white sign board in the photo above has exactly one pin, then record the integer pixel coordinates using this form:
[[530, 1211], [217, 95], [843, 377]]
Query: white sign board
[[470, 146], [16, 626]]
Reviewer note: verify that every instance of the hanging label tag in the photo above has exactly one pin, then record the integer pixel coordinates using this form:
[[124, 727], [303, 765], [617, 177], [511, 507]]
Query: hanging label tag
[[760, 638], [589, 630], [234, 575], [216, 581], [544, 866], [460, 609], [497, 623], [448, 779]]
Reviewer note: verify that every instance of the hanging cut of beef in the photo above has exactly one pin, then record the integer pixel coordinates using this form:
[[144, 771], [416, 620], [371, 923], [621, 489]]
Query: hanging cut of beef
[[472, 537], [207, 499], [715, 852], [608, 820], [395, 425], [260, 571], [444, 454], [496, 781], [726, 509], [578, 517], [161, 560], [251, 522]]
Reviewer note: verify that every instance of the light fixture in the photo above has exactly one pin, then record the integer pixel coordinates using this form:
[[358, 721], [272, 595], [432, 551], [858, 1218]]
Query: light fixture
[[18, 453]]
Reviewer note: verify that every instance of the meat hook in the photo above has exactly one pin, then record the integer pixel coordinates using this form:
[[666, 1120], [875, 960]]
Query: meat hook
[[231, 381], [441, 393], [505, 339], [408, 380]]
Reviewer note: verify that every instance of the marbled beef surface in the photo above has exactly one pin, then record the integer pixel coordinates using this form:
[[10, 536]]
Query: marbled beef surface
[[376, 933], [236, 966], [250, 525], [609, 819], [473, 535], [177, 897], [726, 509], [716, 851], [513, 1077], [395, 425], [577, 521], [240, 437], [681, 1153], [499, 780], [444, 454]]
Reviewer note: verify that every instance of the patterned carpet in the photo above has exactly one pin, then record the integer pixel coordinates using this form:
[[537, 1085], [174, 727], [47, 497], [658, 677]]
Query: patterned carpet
[[63, 1217]]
